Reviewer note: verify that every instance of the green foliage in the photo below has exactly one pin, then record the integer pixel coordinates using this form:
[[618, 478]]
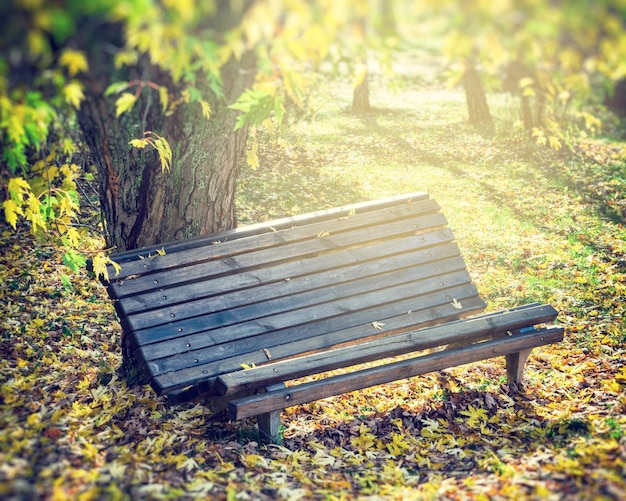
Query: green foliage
[[256, 106], [25, 119]]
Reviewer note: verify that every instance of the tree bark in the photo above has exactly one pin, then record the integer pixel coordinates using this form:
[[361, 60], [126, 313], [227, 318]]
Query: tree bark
[[142, 204], [361, 96], [477, 106]]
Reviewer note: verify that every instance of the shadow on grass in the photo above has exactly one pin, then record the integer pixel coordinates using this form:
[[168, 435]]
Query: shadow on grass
[[600, 185]]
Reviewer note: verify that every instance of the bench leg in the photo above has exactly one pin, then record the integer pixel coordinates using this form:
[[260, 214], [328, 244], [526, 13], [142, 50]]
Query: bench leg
[[269, 423], [515, 365], [269, 427]]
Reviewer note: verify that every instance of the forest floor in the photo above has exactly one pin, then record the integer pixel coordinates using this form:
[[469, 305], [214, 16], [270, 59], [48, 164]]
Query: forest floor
[[533, 224]]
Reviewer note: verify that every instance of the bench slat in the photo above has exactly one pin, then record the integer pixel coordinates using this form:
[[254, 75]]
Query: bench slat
[[332, 273], [344, 310], [435, 244], [468, 331], [295, 294], [265, 227], [164, 271], [336, 385], [405, 314]]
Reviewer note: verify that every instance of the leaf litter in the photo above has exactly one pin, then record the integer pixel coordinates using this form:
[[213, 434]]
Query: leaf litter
[[70, 427]]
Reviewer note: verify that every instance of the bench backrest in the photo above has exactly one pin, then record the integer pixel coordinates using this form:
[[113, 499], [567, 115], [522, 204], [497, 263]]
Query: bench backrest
[[274, 290]]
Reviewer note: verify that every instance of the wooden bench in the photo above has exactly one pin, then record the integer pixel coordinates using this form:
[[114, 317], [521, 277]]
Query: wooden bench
[[232, 317]]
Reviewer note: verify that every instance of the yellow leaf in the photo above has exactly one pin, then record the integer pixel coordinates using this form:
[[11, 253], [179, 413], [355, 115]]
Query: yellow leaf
[[51, 173], [73, 236], [206, 109], [475, 415], [100, 262], [621, 375], [124, 103], [67, 206], [11, 210], [139, 143], [456, 304], [125, 58], [165, 152], [554, 142], [74, 60], [188, 464], [37, 42], [73, 93], [185, 8], [378, 325], [360, 77], [526, 82], [33, 214], [18, 187], [612, 386], [164, 97]]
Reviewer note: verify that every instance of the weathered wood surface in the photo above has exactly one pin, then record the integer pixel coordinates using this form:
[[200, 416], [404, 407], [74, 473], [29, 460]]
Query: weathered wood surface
[[288, 287], [466, 331], [336, 385], [309, 294], [260, 228]]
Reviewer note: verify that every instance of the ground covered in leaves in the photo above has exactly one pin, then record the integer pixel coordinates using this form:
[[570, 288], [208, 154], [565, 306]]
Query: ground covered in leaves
[[534, 226]]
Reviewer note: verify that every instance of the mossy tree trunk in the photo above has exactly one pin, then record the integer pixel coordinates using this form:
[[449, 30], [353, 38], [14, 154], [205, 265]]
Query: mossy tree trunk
[[141, 203]]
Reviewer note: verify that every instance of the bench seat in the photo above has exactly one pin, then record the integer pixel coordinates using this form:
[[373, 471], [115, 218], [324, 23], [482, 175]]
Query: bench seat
[[228, 316]]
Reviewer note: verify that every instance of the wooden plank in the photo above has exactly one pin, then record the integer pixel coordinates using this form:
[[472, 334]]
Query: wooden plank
[[198, 384], [191, 326], [347, 310], [197, 330], [300, 292], [336, 385], [420, 249], [304, 248], [398, 316], [466, 331], [416, 213], [269, 226], [287, 277]]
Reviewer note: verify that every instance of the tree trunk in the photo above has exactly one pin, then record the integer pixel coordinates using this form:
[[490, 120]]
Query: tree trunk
[[387, 26], [142, 204], [475, 96], [361, 96]]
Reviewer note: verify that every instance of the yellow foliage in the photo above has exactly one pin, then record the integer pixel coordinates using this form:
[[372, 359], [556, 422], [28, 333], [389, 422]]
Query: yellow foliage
[[138, 143], [206, 109], [100, 262], [75, 61], [163, 97], [73, 93], [252, 156], [11, 211], [125, 58], [124, 103]]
